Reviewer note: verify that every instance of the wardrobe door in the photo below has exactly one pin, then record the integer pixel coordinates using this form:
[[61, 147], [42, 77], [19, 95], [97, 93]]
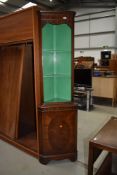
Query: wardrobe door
[[11, 65]]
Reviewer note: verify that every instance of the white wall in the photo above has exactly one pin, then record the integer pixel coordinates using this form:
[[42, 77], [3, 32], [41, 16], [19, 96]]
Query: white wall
[[89, 45]]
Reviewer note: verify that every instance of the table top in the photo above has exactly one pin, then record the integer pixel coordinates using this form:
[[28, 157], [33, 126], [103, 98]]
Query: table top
[[106, 76], [107, 136]]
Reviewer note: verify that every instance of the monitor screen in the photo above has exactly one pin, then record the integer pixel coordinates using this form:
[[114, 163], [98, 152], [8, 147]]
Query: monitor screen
[[105, 57], [83, 77]]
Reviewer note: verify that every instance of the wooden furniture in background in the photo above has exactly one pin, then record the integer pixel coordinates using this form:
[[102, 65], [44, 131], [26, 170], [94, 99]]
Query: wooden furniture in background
[[84, 62], [113, 63], [29, 119], [105, 87], [104, 140]]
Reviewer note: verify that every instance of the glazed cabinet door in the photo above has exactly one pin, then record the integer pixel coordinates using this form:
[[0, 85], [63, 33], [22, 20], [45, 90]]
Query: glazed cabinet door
[[57, 57]]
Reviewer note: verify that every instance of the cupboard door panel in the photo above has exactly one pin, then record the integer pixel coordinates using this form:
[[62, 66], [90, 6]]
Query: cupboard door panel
[[58, 132]]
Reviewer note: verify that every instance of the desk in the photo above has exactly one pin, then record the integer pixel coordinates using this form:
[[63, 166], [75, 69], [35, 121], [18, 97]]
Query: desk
[[78, 92], [106, 139], [105, 87]]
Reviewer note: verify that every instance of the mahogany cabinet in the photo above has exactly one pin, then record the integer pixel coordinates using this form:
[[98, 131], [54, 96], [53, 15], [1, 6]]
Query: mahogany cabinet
[[37, 113], [57, 132]]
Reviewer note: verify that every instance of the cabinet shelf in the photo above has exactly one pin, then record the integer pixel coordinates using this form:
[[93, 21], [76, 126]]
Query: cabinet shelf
[[30, 141], [46, 50], [57, 75]]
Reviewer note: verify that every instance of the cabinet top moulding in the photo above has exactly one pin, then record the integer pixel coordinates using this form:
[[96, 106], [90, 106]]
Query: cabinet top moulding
[[16, 27]]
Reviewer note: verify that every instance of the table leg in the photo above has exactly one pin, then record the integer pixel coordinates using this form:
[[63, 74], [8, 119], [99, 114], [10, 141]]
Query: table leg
[[88, 100], [90, 160], [94, 153], [91, 99]]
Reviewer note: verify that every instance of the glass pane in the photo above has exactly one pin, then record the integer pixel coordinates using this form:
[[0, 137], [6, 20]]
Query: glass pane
[[48, 37], [48, 88], [63, 37], [56, 45], [48, 63], [63, 63], [62, 87]]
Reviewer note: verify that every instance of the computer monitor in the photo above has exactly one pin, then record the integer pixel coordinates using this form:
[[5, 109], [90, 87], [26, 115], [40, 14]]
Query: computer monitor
[[105, 57], [83, 77]]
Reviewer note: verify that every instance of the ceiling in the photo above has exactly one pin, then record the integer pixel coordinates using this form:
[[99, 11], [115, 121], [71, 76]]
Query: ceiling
[[8, 6]]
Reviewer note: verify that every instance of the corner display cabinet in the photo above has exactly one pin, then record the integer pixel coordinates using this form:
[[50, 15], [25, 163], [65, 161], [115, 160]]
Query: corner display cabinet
[[37, 113]]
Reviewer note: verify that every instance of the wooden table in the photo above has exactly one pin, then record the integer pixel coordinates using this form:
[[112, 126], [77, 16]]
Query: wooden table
[[105, 87], [106, 139]]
